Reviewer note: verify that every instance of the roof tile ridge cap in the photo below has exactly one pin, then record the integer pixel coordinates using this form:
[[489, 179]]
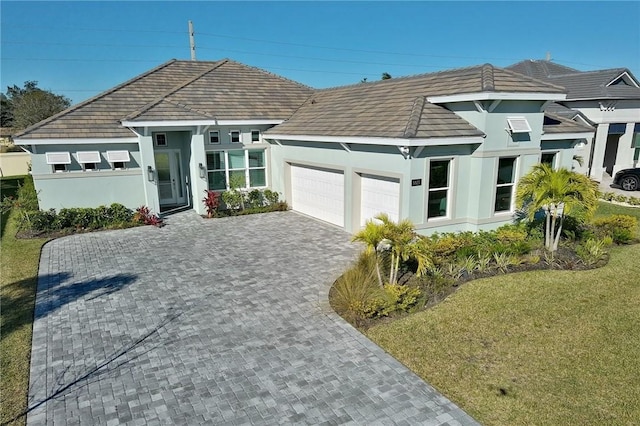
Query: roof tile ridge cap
[[537, 80], [487, 78], [401, 78], [188, 108], [309, 99], [411, 129], [93, 99], [171, 91], [270, 73]]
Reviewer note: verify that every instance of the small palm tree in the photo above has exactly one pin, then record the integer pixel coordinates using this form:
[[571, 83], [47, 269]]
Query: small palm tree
[[400, 239], [557, 193]]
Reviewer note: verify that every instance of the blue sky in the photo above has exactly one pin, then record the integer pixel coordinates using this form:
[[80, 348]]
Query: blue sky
[[82, 48]]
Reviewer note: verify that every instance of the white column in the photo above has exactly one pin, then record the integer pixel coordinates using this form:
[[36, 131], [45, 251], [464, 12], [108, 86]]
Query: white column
[[624, 158], [600, 145], [147, 160], [198, 184]]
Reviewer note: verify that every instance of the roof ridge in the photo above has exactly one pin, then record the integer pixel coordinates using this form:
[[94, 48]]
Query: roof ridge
[[93, 99], [537, 80], [270, 73], [188, 108], [173, 90], [411, 129], [487, 79]]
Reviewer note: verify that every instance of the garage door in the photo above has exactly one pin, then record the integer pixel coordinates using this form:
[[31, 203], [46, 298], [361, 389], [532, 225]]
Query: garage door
[[318, 192], [379, 195]]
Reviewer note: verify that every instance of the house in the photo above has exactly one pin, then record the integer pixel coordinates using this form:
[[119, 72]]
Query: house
[[609, 99], [444, 149]]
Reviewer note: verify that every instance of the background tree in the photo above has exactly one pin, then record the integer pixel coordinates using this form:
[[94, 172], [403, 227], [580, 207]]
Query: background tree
[[558, 193], [24, 106], [385, 76]]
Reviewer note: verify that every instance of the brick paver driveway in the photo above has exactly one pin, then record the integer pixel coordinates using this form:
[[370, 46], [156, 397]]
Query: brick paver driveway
[[211, 321]]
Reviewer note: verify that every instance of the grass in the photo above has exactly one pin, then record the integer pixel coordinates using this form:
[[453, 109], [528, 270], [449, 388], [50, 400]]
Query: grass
[[18, 280], [606, 209], [540, 347]]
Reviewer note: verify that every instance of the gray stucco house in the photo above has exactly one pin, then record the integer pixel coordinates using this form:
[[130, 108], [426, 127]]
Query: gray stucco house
[[607, 99], [444, 149]]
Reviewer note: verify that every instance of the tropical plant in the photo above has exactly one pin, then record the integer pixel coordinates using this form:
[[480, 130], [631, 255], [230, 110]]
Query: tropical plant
[[557, 193], [211, 202]]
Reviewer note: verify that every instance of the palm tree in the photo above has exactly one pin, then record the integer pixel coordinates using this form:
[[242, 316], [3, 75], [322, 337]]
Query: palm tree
[[400, 239], [557, 193]]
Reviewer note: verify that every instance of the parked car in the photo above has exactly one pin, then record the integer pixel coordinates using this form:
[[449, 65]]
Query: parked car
[[628, 179]]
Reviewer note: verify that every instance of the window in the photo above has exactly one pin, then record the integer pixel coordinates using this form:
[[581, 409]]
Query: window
[[214, 137], [505, 184], [518, 125], [255, 136], [549, 158], [635, 142], [89, 160], [118, 159], [161, 139], [58, 160], [438, 197], [235, 136], [248, 167]]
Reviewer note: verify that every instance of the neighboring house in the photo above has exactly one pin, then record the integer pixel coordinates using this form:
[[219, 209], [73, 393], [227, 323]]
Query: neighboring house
[[609, 99], [444, 149]]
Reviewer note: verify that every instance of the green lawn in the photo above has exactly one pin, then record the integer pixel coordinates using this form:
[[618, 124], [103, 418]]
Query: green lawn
[[542, 347], [18, 279], [606, 209]]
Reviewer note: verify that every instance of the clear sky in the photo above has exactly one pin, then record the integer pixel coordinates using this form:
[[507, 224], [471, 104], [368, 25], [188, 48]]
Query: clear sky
[[82, 48]]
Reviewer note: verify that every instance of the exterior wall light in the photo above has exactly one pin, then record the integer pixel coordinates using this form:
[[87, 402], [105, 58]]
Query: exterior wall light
[[203, 171], [150, 174]]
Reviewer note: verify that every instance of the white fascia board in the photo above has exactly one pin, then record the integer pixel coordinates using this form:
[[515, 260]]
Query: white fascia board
[[74, 141], [363, 140], [560, 136], [486, 96], [623, 75], [176, 123]]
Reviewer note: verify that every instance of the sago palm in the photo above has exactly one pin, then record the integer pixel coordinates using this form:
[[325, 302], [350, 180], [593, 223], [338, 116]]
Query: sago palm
[[557, 193]]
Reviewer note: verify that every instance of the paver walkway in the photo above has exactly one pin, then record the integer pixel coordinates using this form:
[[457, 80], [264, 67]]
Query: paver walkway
[[220, 321]]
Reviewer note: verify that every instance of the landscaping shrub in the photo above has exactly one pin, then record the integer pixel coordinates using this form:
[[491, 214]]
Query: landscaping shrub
[[620, 228], [593, 251], [211, 202], [634, 201], [356, 289], [144, 215], [272, 197], [255, 198]]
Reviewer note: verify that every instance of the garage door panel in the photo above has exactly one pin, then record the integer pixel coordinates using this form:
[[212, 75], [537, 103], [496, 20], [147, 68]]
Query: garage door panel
[[379, 194], [318, 192]]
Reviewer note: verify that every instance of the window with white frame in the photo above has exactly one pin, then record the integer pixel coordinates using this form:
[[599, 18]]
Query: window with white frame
[[161, 139], [246, 166], [549, 158], [439, 185], [505, 184], [118, 159], [255, 136], [214, 137], [518, 125], [89, 160], [59, 161], [235, 136]]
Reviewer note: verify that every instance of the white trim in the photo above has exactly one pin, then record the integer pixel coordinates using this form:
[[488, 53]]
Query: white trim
[[155, 139], [74, 141], [118, 156], [85, 157], [212, 122], [259, 135], [58, 157], [378, 141], [560, 136], [485, 96], [622, 76], [231, 136]]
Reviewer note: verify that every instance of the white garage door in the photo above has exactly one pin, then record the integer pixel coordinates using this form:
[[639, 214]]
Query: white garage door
[[379, 195], [318, 193]]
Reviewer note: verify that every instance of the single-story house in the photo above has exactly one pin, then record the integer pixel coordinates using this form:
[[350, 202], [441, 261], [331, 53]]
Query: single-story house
[[609, 100], [444, 149]]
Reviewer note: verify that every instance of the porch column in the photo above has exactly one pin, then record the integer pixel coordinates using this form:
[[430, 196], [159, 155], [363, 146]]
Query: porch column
[[198, 184], [147, 160], [624, 158], [600, 145]]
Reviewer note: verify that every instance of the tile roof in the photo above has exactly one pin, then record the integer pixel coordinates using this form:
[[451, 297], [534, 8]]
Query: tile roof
[[397, 108], [580, 84], [554, 123], [178, 90]]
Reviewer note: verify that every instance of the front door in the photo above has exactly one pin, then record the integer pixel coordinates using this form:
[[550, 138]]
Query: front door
[[171, 183]]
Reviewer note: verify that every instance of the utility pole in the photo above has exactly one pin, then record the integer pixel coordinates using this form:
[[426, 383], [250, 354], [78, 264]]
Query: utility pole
[[192, 42]]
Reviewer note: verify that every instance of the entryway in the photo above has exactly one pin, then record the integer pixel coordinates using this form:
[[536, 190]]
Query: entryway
[[172, 190]]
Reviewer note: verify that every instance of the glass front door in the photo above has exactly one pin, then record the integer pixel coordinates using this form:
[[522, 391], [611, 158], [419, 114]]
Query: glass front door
[[171, 183]]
